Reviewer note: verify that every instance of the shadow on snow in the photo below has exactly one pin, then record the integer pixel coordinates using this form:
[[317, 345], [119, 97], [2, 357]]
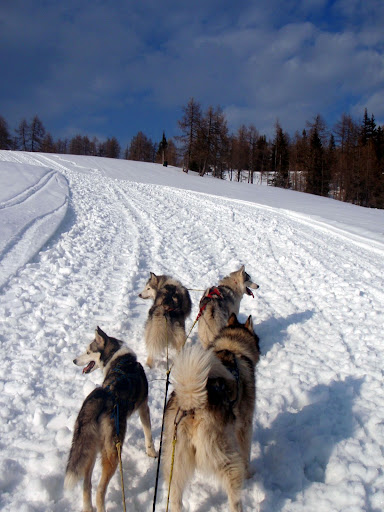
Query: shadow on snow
[[296, 449], [273, 330]]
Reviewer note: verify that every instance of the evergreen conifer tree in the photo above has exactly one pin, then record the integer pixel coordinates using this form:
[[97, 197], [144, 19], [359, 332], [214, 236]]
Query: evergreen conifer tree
[[5, 138], [280, 158]]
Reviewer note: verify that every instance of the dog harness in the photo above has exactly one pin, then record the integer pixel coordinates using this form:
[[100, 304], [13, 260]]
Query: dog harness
[[213, 293]]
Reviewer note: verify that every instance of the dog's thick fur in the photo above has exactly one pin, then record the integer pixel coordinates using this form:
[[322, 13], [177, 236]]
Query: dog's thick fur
[[104, 411], [165, 324], [219, 302], [212, 405]]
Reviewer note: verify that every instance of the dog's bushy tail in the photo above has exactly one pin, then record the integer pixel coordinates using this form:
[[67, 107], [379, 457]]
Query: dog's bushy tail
[[82, 453], [71, 480], [75, 466], [190, 374]]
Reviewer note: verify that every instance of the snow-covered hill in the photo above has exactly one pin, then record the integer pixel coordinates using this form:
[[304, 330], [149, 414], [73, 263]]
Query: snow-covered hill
[[78, 238]]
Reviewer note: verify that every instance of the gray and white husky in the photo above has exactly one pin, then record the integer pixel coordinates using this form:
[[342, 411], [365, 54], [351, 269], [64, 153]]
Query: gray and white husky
[[219, 302], [165, 325], [102, 420], [210, 412]]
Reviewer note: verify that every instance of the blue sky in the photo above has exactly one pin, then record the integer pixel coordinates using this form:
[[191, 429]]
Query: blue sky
[[114, 67]]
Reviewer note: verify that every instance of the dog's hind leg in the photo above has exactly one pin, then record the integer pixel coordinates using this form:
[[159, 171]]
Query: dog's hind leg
[[152, 351], [109, 461], [244, 437], [179, 337], [183, 469], [232, 477], [87, 485], [145, 419], [154, 338], [178, 483]]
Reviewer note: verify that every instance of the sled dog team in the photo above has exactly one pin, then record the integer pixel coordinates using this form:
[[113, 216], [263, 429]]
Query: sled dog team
[[212, 404]]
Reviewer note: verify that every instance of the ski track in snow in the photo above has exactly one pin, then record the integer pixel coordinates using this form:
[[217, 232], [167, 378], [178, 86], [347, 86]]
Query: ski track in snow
[[27, 230], [319, 426]]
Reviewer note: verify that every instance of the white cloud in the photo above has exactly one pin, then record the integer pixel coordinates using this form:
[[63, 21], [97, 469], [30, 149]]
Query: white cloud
[[259, 61]]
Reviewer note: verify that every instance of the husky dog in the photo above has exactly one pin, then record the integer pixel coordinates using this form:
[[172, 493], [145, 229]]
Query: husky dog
[[165, 324], [218, 302], [102, 419], [210, 412]]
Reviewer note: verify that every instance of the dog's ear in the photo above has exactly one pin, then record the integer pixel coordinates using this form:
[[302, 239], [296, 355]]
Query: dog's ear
[[100, 337], [232, 320], [154, 279], [249, 324], [238, 273]]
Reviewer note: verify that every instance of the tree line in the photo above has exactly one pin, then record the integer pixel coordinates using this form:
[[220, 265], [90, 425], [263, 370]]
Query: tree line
[[32, 136], [345, 162]]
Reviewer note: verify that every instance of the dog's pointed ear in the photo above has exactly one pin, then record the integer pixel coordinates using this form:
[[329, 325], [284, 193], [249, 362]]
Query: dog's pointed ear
[[100, 337], [232, 320], [249, 324], [154, 278], [241, 269]]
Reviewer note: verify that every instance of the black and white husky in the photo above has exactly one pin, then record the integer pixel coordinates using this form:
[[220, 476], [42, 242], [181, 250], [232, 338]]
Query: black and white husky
[[219, 302], [165, 325], [102, 420]]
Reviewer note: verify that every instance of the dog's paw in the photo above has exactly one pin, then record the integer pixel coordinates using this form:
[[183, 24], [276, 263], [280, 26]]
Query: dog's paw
[[151, 452], [250, 473]]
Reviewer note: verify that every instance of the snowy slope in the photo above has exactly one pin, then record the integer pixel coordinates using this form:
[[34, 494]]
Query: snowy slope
[[101, 227], [33, 202]]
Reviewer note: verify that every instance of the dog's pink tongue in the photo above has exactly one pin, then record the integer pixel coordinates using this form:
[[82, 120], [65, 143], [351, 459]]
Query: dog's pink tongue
[[249, 292], [89, 367]]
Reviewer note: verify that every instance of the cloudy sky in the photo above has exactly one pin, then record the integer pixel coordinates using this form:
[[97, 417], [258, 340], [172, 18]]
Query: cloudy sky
[[114, 67]]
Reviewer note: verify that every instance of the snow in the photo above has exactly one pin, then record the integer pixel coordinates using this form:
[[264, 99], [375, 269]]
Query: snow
[[78, 238]]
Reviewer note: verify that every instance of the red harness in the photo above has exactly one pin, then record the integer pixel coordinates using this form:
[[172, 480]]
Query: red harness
[[212, 294]]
